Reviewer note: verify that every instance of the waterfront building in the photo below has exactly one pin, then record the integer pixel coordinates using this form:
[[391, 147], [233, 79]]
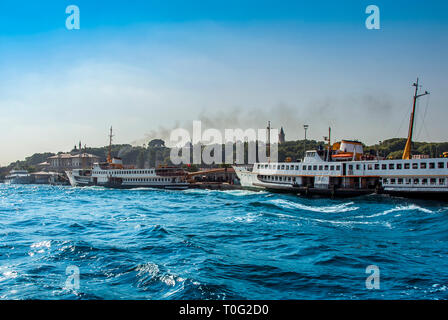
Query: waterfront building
[[67, 161]]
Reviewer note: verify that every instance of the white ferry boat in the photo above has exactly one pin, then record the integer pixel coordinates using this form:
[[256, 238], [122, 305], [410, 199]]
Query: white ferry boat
[[114, 174], [343, 169], [414, 177], [18, 177]]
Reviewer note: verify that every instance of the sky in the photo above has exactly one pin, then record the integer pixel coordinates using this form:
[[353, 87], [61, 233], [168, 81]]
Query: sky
[[147, 67]]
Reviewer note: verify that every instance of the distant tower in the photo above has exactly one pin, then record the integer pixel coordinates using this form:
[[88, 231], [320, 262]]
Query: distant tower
[[281, 136]]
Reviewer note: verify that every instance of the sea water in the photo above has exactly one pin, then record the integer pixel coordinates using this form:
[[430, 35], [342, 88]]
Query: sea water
[[200, 244]]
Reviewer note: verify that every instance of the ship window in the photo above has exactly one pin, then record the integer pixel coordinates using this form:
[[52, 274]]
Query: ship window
[[392, 181], [289, 178], [314, 167], [369, 167], [425, 181], [408, 181], [287, 167], [416, 181], [441, 165], [304, 168], [423, 165], [310, 168], [415, 166], [321, 168], [358, 167], [399, 166], [432, 165], [377, 167], [297, 167], [338, 168], [283, 167], [433, 181], [391, 166], [331, 168], [407, 166], [400, 181], [442, 181], [326, 167], [383, 167]]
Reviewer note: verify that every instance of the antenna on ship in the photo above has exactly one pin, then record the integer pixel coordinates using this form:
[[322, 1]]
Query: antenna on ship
[[407, 148], [109, 156], [268, 149], [305, 127]]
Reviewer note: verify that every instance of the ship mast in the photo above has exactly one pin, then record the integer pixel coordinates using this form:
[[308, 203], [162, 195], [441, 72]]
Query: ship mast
[[407, 148], [109, 154], [269, 142]]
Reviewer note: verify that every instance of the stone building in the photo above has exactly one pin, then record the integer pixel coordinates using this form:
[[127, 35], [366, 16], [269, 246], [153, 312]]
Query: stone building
[[67, 161]]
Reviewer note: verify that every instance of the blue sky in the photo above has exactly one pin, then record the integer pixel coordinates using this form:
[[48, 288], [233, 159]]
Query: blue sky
[[146, 67]]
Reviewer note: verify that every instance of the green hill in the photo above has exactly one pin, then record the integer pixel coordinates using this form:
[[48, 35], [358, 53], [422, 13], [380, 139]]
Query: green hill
[[156, 152]]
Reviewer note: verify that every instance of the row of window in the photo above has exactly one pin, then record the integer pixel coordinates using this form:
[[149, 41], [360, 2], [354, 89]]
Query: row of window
[[120, 172], [147, 179], [400, 166], [297, 167], [371, 166], [278, 178], [415, 181]]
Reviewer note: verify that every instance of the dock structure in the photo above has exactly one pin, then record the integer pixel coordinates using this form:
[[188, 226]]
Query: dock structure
[[215, 179], [213, 175]]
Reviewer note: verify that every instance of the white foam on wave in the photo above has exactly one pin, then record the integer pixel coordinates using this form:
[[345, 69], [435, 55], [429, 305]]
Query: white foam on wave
[[396, 209], [6, 273], [142, 189], [42, 244], [241, 193], [198, 191], [248, 218], [332, 222], [152, 271], [344, 207], [236, 193]]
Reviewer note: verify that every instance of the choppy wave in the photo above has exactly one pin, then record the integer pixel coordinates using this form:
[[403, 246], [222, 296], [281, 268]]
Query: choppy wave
[[339, 208], [210, 244]]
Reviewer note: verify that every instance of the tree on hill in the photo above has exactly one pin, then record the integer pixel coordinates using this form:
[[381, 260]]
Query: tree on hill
[[156, 143]]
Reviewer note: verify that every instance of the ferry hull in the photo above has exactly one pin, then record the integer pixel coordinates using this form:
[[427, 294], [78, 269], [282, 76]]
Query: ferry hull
[[425, 195], [159, 186], [306, 191]]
